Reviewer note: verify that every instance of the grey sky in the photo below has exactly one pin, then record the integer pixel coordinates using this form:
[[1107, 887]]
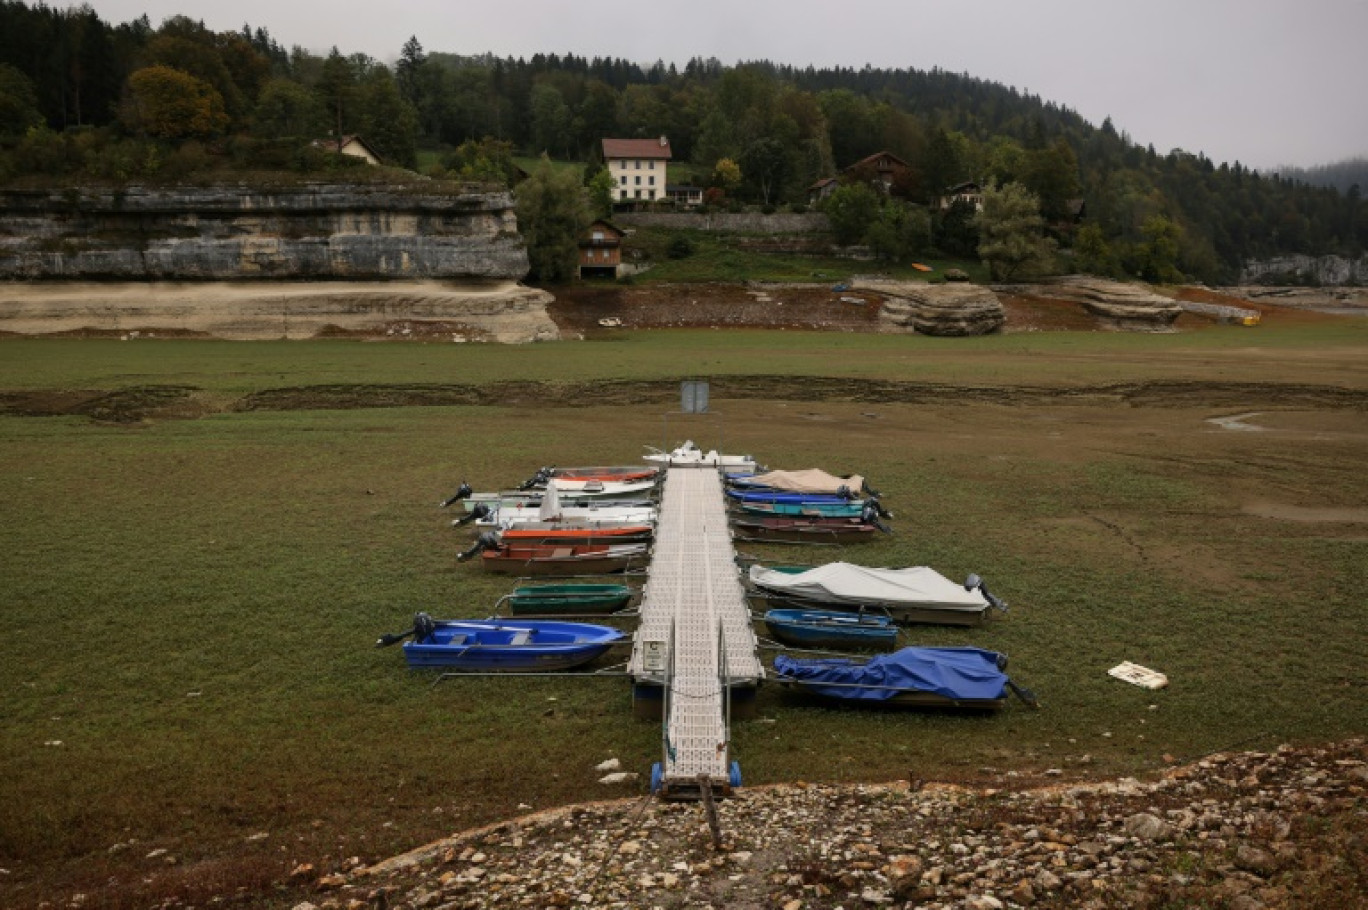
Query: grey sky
[[1265, 82]]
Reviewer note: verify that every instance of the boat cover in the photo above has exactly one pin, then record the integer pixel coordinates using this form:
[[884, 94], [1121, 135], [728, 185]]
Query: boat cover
[[960, 674], [813, 480], [846, 583]]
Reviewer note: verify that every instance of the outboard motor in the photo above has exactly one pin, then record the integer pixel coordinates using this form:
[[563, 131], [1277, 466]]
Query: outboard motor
[[423, 627], [973, 582], [486, 541], [539, 479], [870, 516], [878, 507], [462, 492], [480, 511], [844, 492], [870, 491]]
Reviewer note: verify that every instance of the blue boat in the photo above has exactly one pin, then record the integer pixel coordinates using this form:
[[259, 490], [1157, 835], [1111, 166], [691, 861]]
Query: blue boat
[[832, 629], [526, 645], [922, 677], [809, 510]]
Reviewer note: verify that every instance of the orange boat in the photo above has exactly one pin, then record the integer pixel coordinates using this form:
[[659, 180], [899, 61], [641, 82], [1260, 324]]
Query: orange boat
[[559, 533]]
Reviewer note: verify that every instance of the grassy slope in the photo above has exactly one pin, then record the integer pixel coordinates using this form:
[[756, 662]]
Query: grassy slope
[[188, 606]]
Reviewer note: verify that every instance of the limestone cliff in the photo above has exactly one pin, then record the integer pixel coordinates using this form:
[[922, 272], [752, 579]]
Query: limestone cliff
[[315, 231]]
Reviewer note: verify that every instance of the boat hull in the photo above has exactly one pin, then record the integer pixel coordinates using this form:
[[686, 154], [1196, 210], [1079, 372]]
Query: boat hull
[[567, 560], [800, 531], [523, 646], [831, 629], [585, 599], [802, 510]]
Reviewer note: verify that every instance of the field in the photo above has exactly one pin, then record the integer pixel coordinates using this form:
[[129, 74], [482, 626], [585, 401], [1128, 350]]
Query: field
[[203, 540]]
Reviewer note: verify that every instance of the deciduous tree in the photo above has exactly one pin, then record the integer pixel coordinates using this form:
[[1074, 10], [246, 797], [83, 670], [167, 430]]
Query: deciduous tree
[[168, 104], [552, 212]]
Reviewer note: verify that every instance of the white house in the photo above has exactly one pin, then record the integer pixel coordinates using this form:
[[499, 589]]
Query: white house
[[637, 167]]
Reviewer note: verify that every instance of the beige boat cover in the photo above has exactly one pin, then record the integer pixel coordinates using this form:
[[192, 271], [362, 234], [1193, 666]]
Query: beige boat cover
[[846, 583], [813, 480]]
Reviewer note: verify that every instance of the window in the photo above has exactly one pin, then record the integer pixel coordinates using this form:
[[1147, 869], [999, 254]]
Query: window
[[651, 180], [638, 181], [598, 236], [638, 164], [638, 194], [624, 179], [650, 165]]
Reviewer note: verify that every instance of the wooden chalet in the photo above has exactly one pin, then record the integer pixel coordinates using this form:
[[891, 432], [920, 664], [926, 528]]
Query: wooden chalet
[[600, 250]]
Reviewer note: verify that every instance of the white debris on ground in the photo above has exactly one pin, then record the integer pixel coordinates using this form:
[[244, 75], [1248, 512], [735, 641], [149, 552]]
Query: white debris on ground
[[1246, 831]]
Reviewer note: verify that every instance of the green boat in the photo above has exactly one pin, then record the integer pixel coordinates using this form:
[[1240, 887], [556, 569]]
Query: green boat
[[564, 600]]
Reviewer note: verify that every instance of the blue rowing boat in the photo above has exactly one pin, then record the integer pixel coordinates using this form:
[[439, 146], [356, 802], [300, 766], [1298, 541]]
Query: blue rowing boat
[[832, 629], [503, 645], [807, 510]]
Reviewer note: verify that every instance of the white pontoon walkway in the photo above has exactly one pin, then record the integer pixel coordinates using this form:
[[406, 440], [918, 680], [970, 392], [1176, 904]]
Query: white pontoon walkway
[[695, 651]]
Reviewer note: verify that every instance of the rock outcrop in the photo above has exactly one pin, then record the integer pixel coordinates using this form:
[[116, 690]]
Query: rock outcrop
[[1117, 305], [1324, 270], [316, 232], [245, 310], [932, 309]]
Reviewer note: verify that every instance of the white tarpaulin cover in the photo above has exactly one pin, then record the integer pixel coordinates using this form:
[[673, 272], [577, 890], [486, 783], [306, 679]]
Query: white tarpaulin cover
[[813, 480], [843, 582]]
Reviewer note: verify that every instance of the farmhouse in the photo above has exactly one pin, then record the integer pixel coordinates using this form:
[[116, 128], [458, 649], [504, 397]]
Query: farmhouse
[[600, 250], [882, 170], [970, 193], [353, 146], [637, 167]]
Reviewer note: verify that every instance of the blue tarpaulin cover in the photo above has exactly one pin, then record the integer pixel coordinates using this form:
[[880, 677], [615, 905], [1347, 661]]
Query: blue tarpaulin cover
[[954, 673]]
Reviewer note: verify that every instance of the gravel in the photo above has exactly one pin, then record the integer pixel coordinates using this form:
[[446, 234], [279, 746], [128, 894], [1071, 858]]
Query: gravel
[[1244, 831]]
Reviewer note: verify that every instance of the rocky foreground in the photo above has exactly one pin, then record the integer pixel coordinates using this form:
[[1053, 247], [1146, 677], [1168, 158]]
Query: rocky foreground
[[1280, 829]]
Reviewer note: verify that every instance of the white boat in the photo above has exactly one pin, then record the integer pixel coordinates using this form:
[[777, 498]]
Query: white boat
[[602, 489], [551, 508], [516, 516], [689, 455]]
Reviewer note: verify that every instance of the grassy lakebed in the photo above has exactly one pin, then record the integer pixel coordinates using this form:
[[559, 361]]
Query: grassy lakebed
[[190, 593]]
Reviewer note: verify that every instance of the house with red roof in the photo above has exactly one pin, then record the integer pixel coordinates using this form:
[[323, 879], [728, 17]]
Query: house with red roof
[[637, 167]]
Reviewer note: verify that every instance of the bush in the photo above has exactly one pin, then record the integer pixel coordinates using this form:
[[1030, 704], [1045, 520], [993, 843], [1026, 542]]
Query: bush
[[798, 208], [679, 247]]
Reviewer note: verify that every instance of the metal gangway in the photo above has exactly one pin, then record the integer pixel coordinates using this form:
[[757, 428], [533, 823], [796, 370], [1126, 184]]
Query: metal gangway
[[695, 652]]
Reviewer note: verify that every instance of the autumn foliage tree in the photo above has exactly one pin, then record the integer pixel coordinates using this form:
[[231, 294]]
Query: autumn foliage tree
[[166, 103]]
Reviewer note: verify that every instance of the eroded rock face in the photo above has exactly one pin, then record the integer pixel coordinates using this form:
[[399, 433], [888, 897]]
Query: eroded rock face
[[467, 310], [1117, 305], [316, 232], [937, 309]]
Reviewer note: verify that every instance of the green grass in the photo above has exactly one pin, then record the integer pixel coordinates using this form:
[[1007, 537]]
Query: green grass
[[530, 165], [189, 606]]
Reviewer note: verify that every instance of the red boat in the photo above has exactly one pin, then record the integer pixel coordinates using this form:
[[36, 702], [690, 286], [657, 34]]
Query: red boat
[[561, 533]]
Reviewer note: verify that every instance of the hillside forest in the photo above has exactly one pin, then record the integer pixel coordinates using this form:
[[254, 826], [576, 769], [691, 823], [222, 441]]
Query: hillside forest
[[85, 100]]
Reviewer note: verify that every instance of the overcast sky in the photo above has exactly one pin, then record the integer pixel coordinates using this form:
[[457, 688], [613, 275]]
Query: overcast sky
[[1265, 82]]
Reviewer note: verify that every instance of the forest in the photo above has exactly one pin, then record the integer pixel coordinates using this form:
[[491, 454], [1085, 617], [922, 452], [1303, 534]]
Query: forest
[[81, 98]]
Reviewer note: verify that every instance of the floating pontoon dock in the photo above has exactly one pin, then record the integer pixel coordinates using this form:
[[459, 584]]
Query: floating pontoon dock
[[694, 654]]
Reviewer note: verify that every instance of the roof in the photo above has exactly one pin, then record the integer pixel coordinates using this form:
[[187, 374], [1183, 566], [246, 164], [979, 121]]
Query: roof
[[970, 186], [605, 223], [823, 182], [873, 160], [637, 148]]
